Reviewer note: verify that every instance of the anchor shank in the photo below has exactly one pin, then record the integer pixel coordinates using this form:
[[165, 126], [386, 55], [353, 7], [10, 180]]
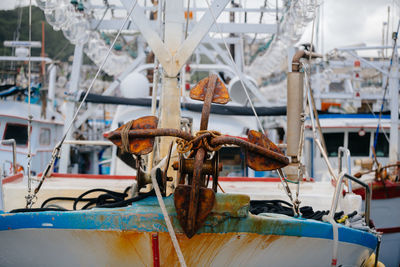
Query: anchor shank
[[205, 113], [194, 193]]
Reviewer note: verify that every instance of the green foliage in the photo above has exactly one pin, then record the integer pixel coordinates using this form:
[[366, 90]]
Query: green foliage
[[56, 46]]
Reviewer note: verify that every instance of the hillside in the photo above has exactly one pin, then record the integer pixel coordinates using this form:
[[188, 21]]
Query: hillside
[[55, 42]]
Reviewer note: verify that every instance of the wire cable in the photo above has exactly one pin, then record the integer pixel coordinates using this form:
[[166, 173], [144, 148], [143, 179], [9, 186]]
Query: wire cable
[[386, 86], [235, 67], [57, 149]]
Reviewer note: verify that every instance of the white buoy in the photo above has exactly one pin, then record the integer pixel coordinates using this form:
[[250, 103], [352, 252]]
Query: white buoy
[[135, 85], [236, 90]]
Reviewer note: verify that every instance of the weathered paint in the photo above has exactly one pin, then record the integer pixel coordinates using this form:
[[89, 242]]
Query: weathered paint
[[139, 146], [146, 216], [220, 96], [258, 162], [156, 250], [66, 247], [123, 236]]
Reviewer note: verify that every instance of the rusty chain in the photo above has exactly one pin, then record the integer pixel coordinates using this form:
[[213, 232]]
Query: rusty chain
[[185, 146]]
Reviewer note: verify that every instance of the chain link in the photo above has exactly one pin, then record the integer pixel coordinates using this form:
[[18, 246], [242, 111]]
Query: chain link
[[185, 146]]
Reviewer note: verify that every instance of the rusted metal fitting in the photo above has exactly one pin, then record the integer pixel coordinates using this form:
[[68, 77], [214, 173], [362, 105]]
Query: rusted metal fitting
[[115, 136], [302, 54], [227, 140], [188, 164]]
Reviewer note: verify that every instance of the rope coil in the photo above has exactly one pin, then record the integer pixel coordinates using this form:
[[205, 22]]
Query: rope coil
[[125, 137], [184, 146]]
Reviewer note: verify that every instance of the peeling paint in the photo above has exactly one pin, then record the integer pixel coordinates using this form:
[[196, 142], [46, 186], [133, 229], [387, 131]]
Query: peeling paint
[[145, 217]]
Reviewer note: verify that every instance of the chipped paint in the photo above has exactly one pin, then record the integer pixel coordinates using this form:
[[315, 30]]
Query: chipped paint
[[133, 248], [230, 236]]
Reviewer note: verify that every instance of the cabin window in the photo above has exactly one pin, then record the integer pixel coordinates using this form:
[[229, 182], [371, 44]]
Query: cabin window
[[336, 86], [18, 132], [333, 141], [382, 145], [232, 161], [44, 136], [359, 146]]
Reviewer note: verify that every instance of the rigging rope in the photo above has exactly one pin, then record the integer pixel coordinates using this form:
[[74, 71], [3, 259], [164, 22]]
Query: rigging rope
[[125, 137], [235, 67], [57, 149], [386, 86], [375, 117], [237, 72], [166, 217]]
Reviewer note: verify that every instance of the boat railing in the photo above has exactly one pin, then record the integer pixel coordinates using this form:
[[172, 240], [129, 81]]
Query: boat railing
[[346, 152], [14, 152], [89, 142], [315, 135], [338, 191]]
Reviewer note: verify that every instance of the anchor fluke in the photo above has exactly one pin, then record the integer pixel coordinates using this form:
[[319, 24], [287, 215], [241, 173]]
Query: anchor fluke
[[137, 146], [258, 162]]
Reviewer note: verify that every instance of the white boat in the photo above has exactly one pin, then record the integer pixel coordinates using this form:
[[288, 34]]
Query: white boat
[[357, 133], [182, 220], [16, 114], [14, 125], [347, 84]]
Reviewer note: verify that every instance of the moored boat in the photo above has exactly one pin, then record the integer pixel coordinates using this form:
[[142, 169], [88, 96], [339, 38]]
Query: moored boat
[[180, 218]]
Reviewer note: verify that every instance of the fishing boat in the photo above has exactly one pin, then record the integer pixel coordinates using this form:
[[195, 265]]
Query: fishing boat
[[16, 116], [222, 224], [369, 131], [174, 213]]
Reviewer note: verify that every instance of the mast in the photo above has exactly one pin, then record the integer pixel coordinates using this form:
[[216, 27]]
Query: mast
[[171, 92], [70, 110], [394, 106], [173, 52]]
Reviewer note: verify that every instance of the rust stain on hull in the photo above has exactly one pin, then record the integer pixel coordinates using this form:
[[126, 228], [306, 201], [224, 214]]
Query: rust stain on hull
[[228, 249], [118, 248], [65, 247], [124, 248]]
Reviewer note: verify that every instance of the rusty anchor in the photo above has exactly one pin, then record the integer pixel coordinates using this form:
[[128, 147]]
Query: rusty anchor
[[193, 200]]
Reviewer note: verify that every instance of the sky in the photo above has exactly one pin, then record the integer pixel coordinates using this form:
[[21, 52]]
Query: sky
[[344, 22], [351, 22]]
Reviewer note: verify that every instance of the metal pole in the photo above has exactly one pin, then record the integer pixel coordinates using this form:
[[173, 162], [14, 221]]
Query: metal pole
[[70, 110], [394, 109], [52, 86], [171, 93], [14, 151]]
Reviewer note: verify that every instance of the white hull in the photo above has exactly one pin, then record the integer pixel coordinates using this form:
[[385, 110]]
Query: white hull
[[386, 215], [61, 247]]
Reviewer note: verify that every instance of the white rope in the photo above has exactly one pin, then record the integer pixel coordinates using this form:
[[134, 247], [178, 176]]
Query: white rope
[[166, 216], [235, 67]]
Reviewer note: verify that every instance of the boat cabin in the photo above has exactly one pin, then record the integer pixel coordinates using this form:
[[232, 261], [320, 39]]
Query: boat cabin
[[353, 131], [14, 124]]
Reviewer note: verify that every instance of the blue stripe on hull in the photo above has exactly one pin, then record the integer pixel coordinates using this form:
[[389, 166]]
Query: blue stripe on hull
[[146, 216]]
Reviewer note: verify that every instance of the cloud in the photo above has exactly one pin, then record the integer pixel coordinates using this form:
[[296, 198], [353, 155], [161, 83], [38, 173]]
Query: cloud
[[11, 4], [349, 22]]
